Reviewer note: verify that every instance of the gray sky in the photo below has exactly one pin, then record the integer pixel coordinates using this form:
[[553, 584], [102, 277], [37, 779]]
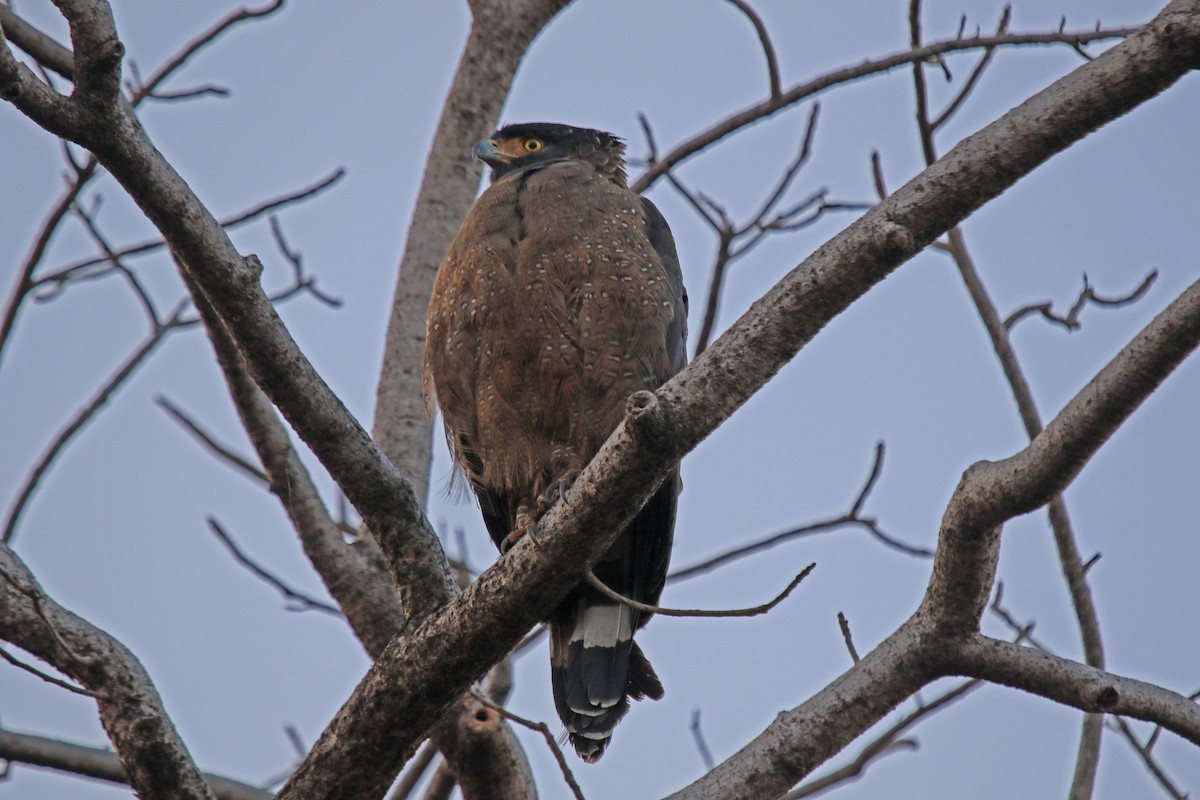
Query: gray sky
[[117, 532]]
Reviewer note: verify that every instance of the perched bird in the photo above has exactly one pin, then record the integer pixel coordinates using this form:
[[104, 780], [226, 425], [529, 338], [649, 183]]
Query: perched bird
[[560, 297]]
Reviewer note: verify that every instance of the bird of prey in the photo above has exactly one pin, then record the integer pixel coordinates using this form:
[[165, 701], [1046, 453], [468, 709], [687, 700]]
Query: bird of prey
[[560, 297]]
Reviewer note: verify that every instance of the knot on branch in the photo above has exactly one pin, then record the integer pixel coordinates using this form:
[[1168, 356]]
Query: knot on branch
[[109, 58], [10, 84], [895, 242], [254, 265], [641, 405], [1179, 36], [1107, 698]]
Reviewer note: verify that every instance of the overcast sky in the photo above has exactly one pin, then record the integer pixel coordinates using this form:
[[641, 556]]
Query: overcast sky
[[117, 532]]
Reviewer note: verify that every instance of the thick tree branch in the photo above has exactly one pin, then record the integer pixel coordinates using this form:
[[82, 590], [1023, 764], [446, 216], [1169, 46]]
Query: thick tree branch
[[25, 748], [154, 759], [356, 574], [1077, 685]]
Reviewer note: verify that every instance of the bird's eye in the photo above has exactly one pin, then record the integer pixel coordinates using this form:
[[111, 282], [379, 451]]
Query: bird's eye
[[532, 145]]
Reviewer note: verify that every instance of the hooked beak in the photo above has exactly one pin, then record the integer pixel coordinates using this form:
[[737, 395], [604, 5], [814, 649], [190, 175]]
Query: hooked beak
[[487, 152]]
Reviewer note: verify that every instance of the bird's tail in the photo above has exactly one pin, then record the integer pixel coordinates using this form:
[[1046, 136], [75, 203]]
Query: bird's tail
[[595, 668]]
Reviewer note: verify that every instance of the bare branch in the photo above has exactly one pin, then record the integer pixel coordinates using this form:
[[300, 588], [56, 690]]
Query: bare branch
[[817, 85], [82, 417], [544, 730], [764, 38], [76, 759], [844, 624], [154, 760], [698, 738], [976, 74], [32, 670], [852, 517], [1077, 685], [69, 271], [646, 608], [209, 442], [885, 744], [1147, 758], [1087, 295], [148, 89], [302, 601], [416, 770]]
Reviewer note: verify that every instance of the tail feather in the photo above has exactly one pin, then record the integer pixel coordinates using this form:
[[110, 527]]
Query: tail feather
[[595, 669]]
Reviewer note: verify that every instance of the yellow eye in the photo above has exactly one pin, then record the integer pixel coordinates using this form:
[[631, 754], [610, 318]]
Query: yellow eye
[[532, 145]]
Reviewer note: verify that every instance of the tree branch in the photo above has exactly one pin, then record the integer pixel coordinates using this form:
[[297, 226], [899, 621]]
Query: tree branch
[[153, 757], [25, 748], [767, 108], [1074, 684]]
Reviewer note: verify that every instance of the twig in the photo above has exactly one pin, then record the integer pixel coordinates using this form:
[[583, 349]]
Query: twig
[[150, 245], [304, 601], [415, 771], [844, 624], [189, 94], [698, 737], [198, 44], [877, 175], [25, 281], [118, 379], [976, 73], [884, 744], [89, 222], [1087, 295], [19, 664], [1147, 759], [765, 39], [646, 608], [821, 83], [544, 730], [208, 441], [851, 517], [293, 258]]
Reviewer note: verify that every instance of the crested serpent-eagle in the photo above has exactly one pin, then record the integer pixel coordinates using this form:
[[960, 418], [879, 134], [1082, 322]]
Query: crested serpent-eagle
[[560, 297]]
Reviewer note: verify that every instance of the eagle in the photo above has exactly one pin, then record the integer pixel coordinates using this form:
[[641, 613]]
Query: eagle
[[559, 298]]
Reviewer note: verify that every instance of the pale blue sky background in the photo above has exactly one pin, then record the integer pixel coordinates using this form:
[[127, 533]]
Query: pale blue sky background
[[118, 534]]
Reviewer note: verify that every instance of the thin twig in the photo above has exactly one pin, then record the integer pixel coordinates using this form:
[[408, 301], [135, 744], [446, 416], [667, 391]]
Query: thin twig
[[34, 476], [844, 624], [765, 39], [25, 281], [208, 441], [19, 664], [199, 43], [303, 601], [544, 730], [646, 608], [1087, 295], [1147, 758], [886, 743], [68, 271], [976, 73], [416, 770], [736, 122], [698, 738], [851, 517]]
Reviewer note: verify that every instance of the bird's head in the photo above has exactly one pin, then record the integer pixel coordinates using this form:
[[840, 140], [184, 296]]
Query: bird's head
[[514, 147]]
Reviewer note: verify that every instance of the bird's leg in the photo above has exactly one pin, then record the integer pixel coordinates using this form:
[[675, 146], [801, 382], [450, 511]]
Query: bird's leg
[[525, 520], [557, 490]]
